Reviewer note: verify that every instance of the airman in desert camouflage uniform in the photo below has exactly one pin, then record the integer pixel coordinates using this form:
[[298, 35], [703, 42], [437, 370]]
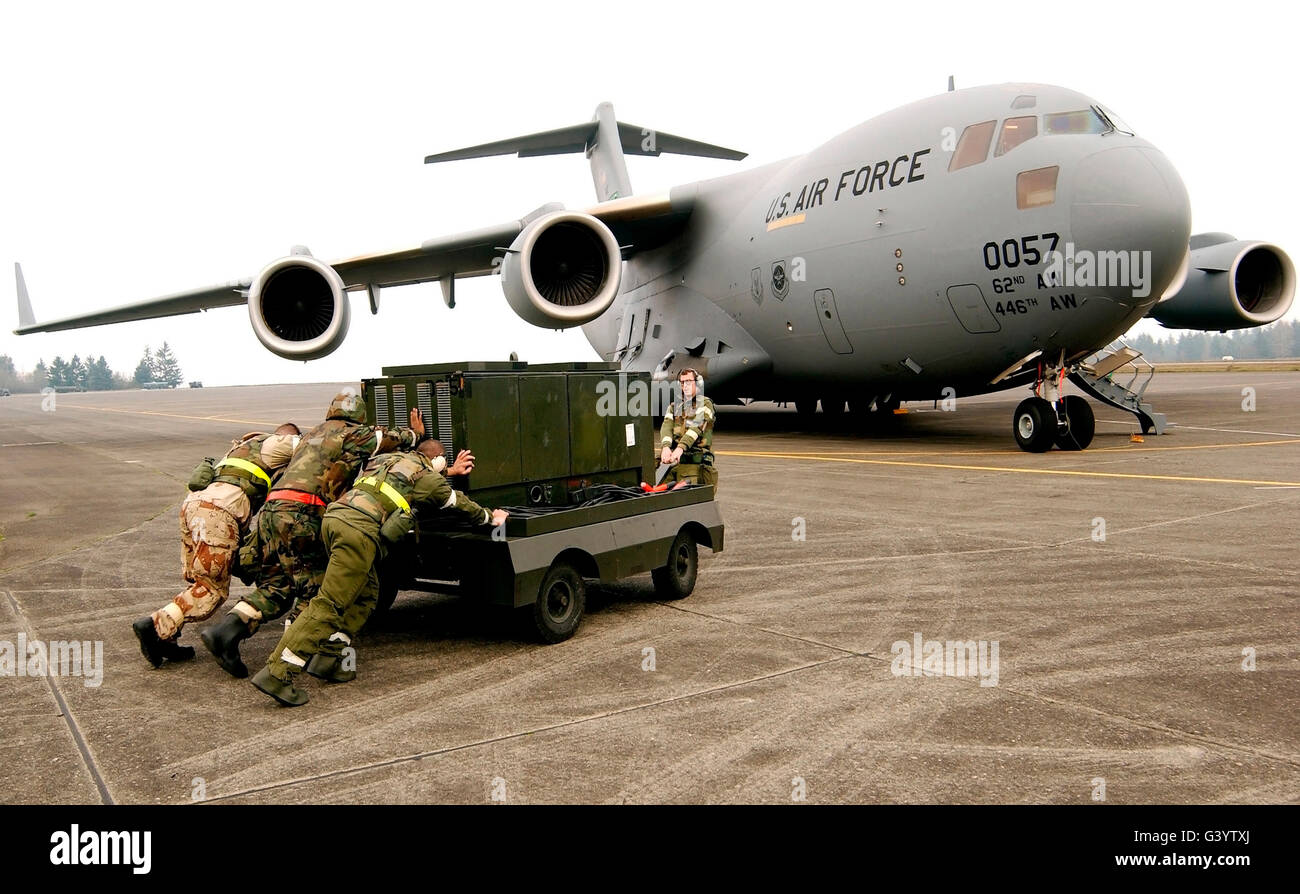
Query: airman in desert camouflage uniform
[[356, 531], [293, 558], [686, 436], [213, 520]]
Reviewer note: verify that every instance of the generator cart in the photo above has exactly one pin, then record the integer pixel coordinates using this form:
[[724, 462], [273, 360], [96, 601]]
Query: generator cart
[[564, 448]]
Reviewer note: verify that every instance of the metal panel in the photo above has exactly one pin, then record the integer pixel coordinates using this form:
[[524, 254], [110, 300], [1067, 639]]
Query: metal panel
[[489, 413], [587, 429], [829, 318], [543, 427], [971, 309]]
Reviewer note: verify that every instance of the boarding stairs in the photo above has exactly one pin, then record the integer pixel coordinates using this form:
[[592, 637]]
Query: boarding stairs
[[1097, 376]]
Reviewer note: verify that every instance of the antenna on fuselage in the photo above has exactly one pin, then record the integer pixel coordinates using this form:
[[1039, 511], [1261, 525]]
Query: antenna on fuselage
[[951, 86]]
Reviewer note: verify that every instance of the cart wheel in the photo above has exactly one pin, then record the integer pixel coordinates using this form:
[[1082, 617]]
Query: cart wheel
[[560, 603], [676, 580]]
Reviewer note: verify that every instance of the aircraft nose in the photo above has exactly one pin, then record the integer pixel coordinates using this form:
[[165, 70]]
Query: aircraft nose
[[1130, 198]]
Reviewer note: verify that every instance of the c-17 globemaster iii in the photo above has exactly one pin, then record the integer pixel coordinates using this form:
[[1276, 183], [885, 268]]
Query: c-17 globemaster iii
[[981, 239]]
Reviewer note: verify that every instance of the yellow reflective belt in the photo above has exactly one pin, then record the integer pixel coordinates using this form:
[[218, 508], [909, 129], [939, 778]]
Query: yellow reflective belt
[[389, 491], [246, 466]]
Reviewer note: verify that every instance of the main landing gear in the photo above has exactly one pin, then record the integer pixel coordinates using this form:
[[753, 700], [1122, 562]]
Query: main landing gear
[[1048, 418]]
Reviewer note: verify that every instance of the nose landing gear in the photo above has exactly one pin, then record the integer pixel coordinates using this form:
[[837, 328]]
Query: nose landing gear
[[1048, 418]]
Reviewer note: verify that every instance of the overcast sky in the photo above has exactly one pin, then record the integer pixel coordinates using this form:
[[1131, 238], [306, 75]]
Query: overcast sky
[[151, 148]]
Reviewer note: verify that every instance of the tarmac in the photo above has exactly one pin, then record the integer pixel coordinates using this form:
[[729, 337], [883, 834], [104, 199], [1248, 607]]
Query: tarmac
[[1141, 599]]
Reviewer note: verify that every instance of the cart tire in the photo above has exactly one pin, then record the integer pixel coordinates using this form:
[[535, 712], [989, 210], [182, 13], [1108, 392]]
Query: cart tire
[[676, 580], [561, 600]]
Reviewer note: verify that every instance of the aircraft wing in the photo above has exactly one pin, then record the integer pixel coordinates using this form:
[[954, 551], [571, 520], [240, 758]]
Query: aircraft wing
[[638, 222]]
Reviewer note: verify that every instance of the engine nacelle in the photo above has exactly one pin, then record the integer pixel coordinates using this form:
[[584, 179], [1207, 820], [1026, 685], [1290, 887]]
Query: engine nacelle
[[563, 270], [298, 308], [1230, 285]]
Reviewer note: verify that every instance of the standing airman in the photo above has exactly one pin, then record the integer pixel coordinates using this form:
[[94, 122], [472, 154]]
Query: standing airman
[[686, 435]]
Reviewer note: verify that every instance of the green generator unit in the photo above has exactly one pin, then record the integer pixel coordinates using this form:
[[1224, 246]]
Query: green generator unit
[[556, 446], [541, 434]]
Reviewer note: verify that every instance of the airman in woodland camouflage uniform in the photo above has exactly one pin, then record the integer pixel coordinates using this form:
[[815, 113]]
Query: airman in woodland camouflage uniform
[[293, 558], [356, 528], [213, 520], [686, 436]]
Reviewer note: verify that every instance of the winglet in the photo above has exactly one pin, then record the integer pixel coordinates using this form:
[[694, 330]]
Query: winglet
[[25, 316]]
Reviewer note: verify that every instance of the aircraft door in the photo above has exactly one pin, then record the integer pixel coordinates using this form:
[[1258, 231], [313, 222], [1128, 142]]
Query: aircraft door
[[829, 317], [971, 309]]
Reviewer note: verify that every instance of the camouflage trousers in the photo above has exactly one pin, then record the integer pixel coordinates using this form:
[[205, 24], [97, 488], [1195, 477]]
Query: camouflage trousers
[[693, 473], [347, 596], [293, 561], [209, 538]]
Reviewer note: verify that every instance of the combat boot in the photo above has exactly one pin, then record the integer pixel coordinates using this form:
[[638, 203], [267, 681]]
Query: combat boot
[[330, 669], [222, 640], [174, 651], [150, 644], [286, 694]]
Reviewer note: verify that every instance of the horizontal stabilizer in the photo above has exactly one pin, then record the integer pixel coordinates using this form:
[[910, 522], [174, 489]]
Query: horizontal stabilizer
[[582, 137]]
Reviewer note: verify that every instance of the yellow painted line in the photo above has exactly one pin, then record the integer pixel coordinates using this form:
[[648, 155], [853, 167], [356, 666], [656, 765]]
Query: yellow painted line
[[168, 415], [961, 468], [1011, 452], [785, 222]]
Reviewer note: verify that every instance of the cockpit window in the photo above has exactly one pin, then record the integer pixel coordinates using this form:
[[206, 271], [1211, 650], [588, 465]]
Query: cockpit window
[[1114, 120], [1024, 101], [973, 147], [1016, 131], [1036, 188], [1082, 121]]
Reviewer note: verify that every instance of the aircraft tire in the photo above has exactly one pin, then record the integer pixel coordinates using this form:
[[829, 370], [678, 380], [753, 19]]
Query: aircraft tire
[[1034, 425], [806, 408], [1083, 425]]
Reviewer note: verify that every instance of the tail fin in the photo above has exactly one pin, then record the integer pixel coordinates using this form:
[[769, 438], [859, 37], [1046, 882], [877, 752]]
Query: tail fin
[[25, 316], [605, 141]]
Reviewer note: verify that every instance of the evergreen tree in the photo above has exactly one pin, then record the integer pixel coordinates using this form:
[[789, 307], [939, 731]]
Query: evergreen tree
[[99, 376], [168, 370], [40, 375], [58, 372], [76, 376], [144, 370]]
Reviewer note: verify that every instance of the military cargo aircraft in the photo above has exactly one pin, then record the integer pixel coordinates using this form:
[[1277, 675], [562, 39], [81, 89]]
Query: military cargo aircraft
[[982, 239]]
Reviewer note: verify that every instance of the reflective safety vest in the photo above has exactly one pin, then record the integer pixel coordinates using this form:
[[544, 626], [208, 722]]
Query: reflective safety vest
[[386, 483], [243, 467]]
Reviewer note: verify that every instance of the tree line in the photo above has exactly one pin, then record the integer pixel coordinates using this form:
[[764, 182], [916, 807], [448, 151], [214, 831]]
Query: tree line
[[1277, 341], [90, 374]]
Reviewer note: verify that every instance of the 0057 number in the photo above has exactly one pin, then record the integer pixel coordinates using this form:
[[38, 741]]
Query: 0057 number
[[1012, 253]]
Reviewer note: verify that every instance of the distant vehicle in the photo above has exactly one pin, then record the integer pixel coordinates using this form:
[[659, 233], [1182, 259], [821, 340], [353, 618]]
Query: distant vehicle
[[4, 392], [154, 386], [64, 389], [1228, 357], [196, 384]]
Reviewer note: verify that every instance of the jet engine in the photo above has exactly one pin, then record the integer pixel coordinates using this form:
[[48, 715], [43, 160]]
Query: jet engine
[[1231, 284], [298, 308], [563, 270]]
